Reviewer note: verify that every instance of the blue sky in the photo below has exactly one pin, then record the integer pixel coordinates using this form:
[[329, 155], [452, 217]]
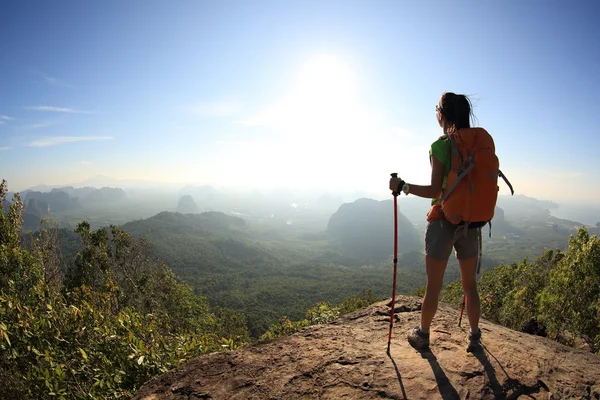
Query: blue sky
[[302, 94]]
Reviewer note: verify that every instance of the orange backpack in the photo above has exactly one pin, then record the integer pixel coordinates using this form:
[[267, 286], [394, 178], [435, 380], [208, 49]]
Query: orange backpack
[[472, 186]]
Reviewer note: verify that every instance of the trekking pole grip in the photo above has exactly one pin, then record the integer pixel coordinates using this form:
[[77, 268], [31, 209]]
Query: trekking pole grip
[[395, 175]]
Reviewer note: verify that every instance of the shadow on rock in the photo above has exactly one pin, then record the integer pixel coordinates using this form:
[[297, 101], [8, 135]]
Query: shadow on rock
[[398, 375], [512, 388], [447, 391]]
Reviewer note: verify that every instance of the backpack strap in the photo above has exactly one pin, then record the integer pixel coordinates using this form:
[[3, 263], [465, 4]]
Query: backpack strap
[[463, 173], [501, 175], [454, 149]]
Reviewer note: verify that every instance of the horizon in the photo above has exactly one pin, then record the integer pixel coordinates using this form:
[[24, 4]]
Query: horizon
[[299, 96], [181, 188]]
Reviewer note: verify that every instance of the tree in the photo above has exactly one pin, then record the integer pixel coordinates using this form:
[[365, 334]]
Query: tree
[[117, 319], [18, 269], [570, 303]]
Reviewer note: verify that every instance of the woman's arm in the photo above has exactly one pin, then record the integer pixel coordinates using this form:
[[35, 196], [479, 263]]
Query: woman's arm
[[437, 178]]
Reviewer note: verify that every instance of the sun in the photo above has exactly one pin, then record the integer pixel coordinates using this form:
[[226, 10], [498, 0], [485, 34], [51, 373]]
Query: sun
[[326, 78]]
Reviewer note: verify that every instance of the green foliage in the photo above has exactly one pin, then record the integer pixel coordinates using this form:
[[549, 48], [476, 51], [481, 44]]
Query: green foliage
[[419, 292], [357, 302], [452, 293], [236, 267], [560, 290], [17, 266], [284, 327], [574, 289], [102, 326], [320, 313], [77, 348]]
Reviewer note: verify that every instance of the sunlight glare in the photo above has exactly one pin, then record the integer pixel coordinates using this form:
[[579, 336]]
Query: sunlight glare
[[323, 132], [325, 79]]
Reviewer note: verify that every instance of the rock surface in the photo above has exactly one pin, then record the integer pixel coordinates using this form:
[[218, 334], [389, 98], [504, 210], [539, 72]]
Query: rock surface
[[348, 359]]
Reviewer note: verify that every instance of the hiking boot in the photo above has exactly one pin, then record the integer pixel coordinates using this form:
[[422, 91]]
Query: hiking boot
[[474, 341], [418, 339]]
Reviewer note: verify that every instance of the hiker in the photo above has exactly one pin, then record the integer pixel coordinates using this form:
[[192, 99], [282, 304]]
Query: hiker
[[453, 113]]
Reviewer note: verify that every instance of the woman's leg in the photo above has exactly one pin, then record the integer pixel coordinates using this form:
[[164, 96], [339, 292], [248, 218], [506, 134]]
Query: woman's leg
[[468, 273], [435, 278], [439, 238]]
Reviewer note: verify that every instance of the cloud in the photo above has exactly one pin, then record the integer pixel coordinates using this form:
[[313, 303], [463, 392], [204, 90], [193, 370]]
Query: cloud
[[6, 118], [2, 122], [39, 125], [58, 109], [215, 108], [56, 140], [5, 148], [85, 162]]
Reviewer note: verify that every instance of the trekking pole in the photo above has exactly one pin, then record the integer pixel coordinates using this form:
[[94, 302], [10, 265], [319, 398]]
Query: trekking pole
[[461, 311], [395, 194]]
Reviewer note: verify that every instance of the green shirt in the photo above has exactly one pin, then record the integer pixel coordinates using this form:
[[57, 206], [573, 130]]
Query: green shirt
[[440, 149]]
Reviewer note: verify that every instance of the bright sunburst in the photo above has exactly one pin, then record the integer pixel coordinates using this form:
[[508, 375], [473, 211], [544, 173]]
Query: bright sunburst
[[326, 78]]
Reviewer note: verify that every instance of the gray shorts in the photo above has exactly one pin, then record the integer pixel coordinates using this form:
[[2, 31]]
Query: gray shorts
[[441, 236]]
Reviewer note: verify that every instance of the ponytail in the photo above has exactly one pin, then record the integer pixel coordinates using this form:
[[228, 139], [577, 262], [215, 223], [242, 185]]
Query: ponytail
[[457, 110]]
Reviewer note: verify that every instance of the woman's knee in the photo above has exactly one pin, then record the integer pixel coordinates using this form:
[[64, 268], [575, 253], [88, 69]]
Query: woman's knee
[[433, 289], [469, 285]]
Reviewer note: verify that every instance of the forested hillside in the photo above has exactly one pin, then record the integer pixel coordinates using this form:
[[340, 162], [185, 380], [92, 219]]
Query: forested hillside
[[95, 313], [98, 317], [100, 326], [244, 269]]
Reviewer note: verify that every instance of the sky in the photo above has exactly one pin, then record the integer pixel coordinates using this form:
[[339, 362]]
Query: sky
[[324, 95]]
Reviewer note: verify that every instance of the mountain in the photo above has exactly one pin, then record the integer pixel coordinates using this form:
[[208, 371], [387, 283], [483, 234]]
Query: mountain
[[203, 192], [57, 200], [88, 195], [213, 253], [347, 358], [199, 243], [68, 198], [187, 205], [526, 202], [328, 202], [107, 181], [65, 200], [240, 267], [365, 229], [34, 211], [211, 222], [102, 195]]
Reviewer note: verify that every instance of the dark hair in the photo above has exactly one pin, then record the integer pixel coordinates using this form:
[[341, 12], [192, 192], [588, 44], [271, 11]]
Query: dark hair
[[457, 110]]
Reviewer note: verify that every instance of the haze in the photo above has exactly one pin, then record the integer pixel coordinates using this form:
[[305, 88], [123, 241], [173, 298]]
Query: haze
[[313, 96]]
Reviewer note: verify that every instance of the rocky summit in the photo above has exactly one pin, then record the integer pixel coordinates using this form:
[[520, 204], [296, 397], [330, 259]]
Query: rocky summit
[[348, 359]]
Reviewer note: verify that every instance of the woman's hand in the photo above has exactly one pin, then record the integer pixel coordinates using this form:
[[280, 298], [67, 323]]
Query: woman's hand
[[396, 184]]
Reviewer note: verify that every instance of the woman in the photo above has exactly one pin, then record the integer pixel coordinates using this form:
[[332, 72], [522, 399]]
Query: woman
[[453, 113]]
